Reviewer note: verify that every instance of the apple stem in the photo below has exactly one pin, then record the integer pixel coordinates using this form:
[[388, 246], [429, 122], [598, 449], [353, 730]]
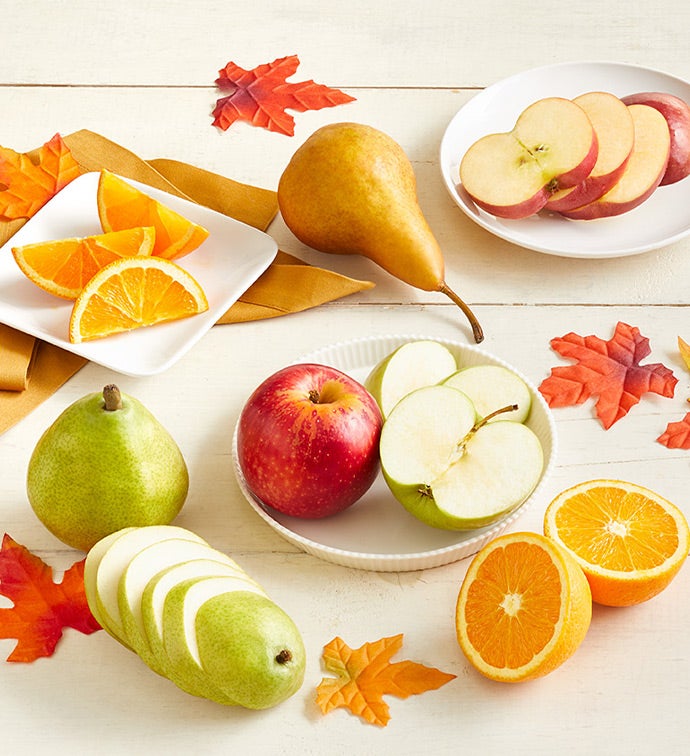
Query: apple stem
[[471, 317], [284, 657], [112, 398], [485, 420]]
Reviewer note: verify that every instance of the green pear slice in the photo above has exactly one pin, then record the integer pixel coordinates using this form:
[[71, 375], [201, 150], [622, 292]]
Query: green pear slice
[[450, 469], [141, 569], [491, 387], [179, 636], [409, 367], [242, 642], [114, 562]]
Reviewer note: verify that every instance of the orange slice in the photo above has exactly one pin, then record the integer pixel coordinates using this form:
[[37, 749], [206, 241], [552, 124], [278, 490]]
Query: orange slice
[[64, 266], [121, 205], [134, 292], [629, 541], [524, 608]]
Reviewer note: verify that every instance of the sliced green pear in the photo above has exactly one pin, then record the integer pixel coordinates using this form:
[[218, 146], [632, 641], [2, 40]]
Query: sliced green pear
[[141, 569], [451, 470], [114, 561], [242, 642], [409, 367], [491, 387], [182, 603]]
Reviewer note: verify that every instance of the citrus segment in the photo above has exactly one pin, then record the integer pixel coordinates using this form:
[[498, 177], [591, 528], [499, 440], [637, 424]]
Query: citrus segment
[[121, 205], [64, 266], [524, 607], [629, 541], [134, 292]]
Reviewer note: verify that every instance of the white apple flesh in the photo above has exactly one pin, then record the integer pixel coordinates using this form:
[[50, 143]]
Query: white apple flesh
[[552, 146], [677, 114], [307, 441], [450, 470], [643, 172], [615, 132]]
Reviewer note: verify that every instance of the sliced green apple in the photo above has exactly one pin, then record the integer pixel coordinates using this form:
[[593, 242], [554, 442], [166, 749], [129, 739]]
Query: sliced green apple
[[409, 367], [491, 387], [451, 470]]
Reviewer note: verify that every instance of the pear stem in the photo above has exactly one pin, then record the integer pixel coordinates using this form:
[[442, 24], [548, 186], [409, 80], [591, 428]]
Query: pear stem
[[112, 398], [476, 328]]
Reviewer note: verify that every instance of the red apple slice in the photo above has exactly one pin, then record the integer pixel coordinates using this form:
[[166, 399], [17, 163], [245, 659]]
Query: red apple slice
[[643, 173], [677, 115], [511, 175], [615, 132]]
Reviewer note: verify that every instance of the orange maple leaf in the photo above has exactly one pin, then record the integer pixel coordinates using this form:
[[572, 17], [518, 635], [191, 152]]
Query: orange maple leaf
[[261, 96], [29, 183], [366, 674], [42, 608]]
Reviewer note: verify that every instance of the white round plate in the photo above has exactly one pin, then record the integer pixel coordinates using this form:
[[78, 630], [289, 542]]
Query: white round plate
[[662, 219], [377, 533]]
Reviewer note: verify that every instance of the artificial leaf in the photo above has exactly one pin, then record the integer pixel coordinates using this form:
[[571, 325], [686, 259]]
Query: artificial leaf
[[684, 350], [42, 608], [29, 183], [609, 370], [366, 674], [261, 96], [677, 435]]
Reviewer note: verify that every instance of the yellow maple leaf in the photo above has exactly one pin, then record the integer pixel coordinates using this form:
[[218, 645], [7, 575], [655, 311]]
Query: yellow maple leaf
[[366, 674], [684, 350]]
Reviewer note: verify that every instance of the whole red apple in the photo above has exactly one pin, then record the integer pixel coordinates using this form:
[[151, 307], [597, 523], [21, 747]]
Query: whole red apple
[[308, 441]]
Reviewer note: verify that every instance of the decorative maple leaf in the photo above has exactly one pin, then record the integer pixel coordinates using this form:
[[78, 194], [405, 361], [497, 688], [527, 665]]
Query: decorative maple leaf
[[28, 183], [610, 370], [677, 435], [261, 96], [366, 674], [41, 608], [684, 350]]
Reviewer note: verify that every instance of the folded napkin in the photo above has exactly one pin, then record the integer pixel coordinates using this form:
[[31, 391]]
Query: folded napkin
[[31, 370]]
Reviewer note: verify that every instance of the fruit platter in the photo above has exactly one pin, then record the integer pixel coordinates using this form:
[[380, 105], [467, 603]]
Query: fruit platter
[[344, 379]]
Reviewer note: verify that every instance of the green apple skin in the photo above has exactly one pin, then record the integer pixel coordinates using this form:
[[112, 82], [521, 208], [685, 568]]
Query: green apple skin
[[250, 648], [95, 471]]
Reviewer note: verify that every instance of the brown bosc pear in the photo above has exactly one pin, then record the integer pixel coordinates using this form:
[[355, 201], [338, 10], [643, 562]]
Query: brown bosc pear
[[350, 189]]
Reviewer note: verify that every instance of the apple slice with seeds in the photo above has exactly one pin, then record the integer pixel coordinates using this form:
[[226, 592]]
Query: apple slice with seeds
[[552, 146]]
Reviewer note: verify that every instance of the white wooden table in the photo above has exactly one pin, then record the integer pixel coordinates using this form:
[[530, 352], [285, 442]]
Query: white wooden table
[[142, 74]]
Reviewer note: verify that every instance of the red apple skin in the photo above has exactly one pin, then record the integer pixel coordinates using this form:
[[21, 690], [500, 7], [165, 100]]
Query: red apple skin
[[677, 114], [308, 441], [587, 191]]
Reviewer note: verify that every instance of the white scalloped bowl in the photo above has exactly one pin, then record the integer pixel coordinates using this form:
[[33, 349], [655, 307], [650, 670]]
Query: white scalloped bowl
[[377, 533]]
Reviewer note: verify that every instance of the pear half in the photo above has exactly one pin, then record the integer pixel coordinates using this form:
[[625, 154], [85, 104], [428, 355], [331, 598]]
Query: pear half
[[491, 387], [451, 469], [409, 367]]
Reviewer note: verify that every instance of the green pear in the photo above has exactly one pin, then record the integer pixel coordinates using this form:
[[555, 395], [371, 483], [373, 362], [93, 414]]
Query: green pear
[[106, 463], [491, 387], [351, 189], [451, 469], [409, 367]]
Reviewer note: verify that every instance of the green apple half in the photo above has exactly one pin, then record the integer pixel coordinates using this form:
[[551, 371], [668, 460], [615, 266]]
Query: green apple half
[[409, 367], [452, 469]]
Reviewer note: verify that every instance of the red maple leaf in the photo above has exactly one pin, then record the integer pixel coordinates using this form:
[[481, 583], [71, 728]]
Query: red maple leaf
[[677, 435], [609, 370], [261, 96], [42, 608], [28, 183]]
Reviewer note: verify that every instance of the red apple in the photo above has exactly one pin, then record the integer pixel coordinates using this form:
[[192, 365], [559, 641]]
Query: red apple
[[512, 175], [677, 115], [643, 172], [308, 441]]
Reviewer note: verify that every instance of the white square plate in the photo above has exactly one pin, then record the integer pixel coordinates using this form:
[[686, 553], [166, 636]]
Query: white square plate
[[233, 256]]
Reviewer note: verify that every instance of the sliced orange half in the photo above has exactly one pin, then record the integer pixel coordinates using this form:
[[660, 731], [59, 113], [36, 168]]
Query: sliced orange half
[[134, 292], [629, 541], [64, 266], [524, 608], [121, 205]]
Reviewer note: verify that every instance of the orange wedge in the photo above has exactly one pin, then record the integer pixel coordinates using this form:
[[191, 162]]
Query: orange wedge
[[134, 292], [524, 608], [121, 205], [64, 266], [629, 541]]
